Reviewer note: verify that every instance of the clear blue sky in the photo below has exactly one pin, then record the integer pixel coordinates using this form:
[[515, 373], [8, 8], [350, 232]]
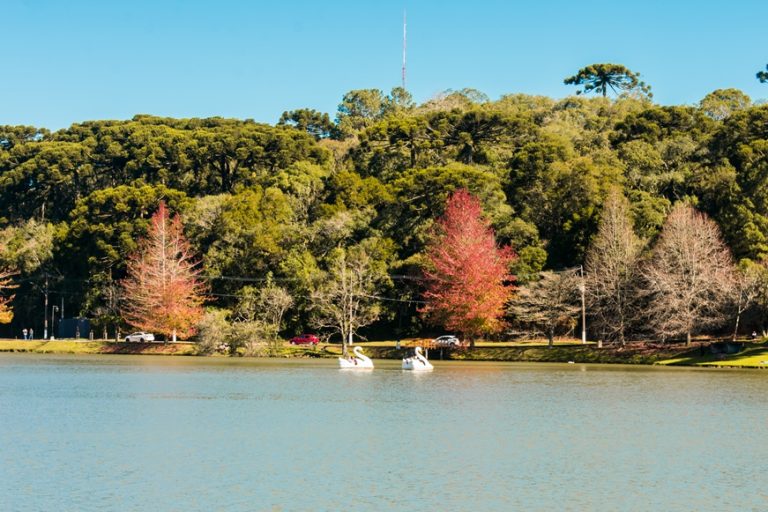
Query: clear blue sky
[[75, 60]]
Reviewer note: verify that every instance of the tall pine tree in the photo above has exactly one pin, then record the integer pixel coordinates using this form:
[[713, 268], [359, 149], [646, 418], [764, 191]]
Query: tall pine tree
[[468, 274], [162, 292]]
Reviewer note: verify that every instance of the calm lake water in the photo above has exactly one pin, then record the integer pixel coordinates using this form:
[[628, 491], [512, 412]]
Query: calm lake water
[[188, 434]]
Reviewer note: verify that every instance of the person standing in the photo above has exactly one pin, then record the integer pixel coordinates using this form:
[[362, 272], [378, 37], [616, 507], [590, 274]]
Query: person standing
[[24, 332], [31, 333]]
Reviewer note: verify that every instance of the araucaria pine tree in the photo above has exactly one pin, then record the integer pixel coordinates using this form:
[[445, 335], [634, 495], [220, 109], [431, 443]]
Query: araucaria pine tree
[[468, 279], [162, 292]]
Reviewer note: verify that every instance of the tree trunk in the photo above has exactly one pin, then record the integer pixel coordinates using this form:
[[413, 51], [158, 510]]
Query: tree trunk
[[551, 338], [688, 339], [736, 329], [622, 340]]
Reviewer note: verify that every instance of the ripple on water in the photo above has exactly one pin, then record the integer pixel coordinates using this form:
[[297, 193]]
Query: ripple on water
[[124, 433]]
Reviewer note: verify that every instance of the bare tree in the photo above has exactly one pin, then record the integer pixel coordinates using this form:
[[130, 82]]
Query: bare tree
[[612, 266], [264, 307], [751, 293], [745, 289], [549, 303], [688, 279], [344, 300]]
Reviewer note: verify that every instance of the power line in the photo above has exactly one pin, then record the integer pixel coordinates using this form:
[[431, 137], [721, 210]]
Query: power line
[[388, 299]]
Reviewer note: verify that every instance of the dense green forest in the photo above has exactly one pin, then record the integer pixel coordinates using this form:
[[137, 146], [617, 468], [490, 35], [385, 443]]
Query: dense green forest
[[271, 203]]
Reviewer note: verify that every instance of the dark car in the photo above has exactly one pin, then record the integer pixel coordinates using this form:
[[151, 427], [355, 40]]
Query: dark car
[[305, 339]]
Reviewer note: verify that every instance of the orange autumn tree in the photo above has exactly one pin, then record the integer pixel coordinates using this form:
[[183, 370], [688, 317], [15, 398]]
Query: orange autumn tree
[[468, 279], [6, 313], [162, 292]]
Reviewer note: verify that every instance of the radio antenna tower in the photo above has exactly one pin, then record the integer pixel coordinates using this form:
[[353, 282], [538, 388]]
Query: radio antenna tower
[[405, 46]]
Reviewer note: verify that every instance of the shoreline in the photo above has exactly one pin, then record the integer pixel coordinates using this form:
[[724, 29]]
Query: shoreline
[[753, 355]]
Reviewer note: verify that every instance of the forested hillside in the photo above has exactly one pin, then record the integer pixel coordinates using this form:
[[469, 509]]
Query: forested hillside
[[264, 203]]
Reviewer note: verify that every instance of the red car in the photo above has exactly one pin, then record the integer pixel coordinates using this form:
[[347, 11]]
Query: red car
[[305, 339]]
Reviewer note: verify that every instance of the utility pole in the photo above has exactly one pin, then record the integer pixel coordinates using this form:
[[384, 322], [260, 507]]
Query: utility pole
[[53, 320], [45, 310], [583, 288]]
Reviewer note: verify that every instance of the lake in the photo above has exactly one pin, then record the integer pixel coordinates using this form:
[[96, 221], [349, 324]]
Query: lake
[[144, 433]]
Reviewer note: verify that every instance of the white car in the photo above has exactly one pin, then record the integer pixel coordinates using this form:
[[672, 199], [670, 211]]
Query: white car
[[447, 341], [141, 337]]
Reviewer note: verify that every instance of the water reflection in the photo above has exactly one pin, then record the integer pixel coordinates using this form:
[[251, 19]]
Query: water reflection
[[146, 433]]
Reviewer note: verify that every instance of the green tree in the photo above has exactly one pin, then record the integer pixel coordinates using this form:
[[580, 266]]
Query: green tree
[[560, 192], [763, 75], [474, 132], [214, 332], [345, 299], [721, 103], [421, 196], [396, 144], [398, 101], [359, 109], [247, 236], [315, 123], [44, 180], [102, 303], [265, 306], [105, 226], [601, 77], [733, 187], [11, 136], [27, 247]]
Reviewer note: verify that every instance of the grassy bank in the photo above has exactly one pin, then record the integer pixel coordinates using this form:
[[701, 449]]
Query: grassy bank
[[95, 347], [753, 356], [561, 353]]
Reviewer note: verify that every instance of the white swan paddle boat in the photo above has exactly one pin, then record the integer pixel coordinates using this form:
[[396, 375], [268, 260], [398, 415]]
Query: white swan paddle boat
[[359, 362], [417, 363]]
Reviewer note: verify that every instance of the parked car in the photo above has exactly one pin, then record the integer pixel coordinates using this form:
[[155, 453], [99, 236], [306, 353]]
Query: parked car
[[447, 341], [141, 337], [305, 339]]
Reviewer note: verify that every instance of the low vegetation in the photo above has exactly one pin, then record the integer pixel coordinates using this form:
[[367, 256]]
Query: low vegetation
[[564, 351]]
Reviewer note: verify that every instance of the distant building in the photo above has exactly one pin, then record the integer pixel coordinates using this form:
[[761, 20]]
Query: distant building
[[73, 328]]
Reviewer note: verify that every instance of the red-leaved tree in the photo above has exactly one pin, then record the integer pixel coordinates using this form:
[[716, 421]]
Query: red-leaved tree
[[162, 292], [468, 279]]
